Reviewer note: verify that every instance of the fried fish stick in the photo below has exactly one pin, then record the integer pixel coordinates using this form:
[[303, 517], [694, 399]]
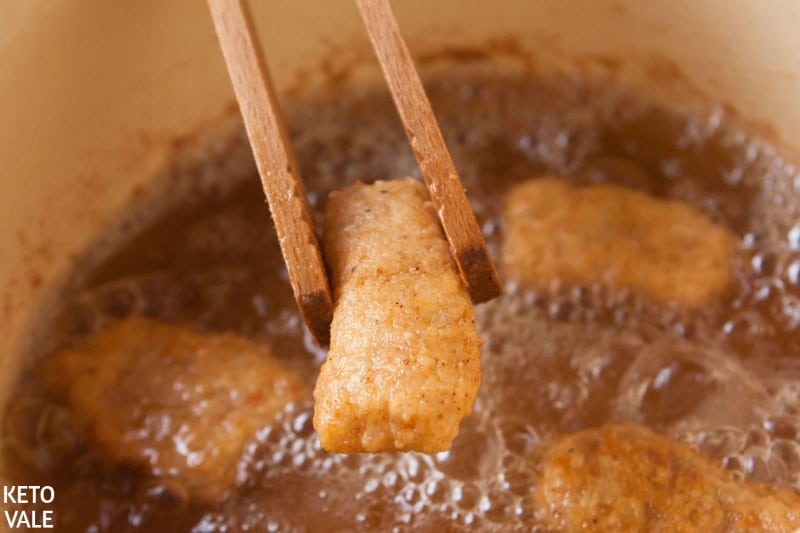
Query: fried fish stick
[[179, 404], [627, 478], [404, 364], [663, 249]]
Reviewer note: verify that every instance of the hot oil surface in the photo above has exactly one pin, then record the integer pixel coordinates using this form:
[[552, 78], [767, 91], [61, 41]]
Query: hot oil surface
[[723, 378]]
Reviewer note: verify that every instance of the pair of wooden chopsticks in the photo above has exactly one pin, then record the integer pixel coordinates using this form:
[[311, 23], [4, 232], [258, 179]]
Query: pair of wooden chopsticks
[[280, 174]]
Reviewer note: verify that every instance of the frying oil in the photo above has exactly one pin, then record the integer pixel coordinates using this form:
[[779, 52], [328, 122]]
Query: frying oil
[[725, 378]]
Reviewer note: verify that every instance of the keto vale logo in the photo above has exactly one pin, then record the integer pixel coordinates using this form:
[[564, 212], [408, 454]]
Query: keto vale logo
[[25, 506]]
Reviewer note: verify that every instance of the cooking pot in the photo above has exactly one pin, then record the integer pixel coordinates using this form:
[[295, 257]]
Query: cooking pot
[[96, 95]]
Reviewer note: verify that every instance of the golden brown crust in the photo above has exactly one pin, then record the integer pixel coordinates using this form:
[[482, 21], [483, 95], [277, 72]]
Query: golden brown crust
[[178, 403], [617, 236], [404, 364], [627, 478]]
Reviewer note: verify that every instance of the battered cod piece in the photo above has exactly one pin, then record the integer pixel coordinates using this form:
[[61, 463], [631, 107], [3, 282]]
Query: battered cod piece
[[404, 365], [606, 233], [178, 403], [627, 478]]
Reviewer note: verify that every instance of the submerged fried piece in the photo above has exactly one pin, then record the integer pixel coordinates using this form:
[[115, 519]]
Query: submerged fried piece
[[178, 403], [617, 236], [404, 365], [627, 478]]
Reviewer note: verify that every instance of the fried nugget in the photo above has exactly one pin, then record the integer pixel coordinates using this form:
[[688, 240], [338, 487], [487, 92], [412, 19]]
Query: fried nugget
[[664, 249], [627, 478], [179, 404], [404, 362]]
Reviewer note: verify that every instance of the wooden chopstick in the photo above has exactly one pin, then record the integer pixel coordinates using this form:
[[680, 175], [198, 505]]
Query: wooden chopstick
[[280, 174], [467, 244]]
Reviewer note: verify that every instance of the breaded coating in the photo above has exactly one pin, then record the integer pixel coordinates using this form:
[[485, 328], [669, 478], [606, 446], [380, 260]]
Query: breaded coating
[[582, 235], [627, 478], [177, 403], [404, 362]]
